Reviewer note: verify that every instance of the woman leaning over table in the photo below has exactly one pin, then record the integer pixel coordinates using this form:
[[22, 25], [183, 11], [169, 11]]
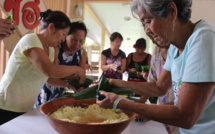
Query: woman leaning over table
[[68, 53], [189, 68], [31, 64], [113, 59]]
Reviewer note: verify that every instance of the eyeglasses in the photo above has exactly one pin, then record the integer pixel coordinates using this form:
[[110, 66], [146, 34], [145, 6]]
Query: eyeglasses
[[80, 41]]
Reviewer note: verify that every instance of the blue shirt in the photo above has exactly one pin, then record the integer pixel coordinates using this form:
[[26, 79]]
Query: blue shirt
[[196, 64]]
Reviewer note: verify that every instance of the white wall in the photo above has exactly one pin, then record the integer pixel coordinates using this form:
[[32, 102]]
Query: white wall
[[203, 9]]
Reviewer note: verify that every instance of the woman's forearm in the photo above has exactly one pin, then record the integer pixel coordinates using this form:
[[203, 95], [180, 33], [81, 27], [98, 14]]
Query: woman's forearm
[[57, 82], [62, 71], [40, 59], [141, 88], [168, 114], [105, 67]]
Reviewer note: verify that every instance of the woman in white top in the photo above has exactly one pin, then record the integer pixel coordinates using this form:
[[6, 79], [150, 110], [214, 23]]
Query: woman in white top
[[31, 64]]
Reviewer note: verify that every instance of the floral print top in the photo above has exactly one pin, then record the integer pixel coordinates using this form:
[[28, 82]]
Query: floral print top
[[157, 63]]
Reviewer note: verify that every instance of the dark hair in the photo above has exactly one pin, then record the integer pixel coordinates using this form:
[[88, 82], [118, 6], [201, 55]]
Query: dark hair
[[140, 43], [160, 8], [115, 35], [59, 19], [78, 26]]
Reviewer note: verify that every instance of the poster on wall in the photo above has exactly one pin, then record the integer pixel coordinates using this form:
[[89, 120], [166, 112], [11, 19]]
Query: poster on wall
[[25, 13]]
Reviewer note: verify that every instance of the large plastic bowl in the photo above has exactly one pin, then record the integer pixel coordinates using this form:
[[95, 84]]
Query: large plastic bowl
[[64, 127]]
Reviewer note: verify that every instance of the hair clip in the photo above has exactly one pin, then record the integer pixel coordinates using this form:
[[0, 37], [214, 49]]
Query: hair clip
[[42, 15]]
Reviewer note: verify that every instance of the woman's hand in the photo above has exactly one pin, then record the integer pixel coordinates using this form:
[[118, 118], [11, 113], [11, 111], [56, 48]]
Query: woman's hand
[[7, 28], [108, 101], [87, 67], [113, 66], [81, 74], [145, 75], [139, 73], [121, 70], [70, 87]]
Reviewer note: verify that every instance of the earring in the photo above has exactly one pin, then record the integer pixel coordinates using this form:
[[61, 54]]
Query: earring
[[173, 25]]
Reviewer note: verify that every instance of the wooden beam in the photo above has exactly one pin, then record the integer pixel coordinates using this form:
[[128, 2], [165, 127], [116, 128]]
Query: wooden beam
[[101, 49], [102, 40], [93, 15], [108, 1]]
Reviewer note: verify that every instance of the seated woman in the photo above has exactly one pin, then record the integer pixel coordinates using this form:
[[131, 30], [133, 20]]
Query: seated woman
[[113, 60], [136, 60], [68, 53]]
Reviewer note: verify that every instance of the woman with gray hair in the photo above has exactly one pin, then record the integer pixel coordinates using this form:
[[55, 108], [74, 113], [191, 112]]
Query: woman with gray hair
[[189, 68]]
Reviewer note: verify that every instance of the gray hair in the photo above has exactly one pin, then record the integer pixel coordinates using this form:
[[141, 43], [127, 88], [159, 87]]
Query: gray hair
[[159, 8]]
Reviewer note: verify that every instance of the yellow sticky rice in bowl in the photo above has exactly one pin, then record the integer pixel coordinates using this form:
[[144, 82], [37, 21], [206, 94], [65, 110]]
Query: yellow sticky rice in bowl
[[93, 114]]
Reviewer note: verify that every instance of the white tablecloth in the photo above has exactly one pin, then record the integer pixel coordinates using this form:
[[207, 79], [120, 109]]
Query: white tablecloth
[[33, 122]]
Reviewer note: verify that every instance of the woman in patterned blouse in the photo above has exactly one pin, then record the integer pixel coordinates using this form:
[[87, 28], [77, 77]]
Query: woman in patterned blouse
[[68, 53]]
